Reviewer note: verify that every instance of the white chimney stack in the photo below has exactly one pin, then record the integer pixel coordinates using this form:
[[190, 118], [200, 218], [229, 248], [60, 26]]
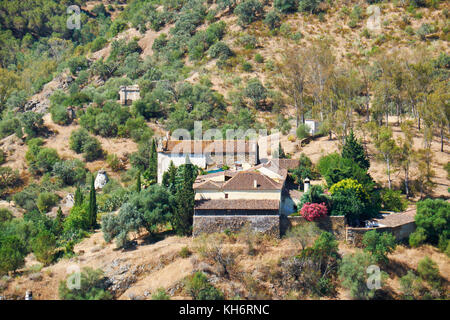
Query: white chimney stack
[[306, 185], [255, 184]]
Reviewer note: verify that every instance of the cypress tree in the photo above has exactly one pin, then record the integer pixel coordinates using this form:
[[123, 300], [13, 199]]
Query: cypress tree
[[92, 209], [354, 150], [138, 182], [78, 197], [151, 174], [184, 211]]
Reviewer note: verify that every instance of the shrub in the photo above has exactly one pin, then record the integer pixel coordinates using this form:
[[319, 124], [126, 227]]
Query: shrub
[[304, 170], [353, 274], [91, 286], [286, 6], [77, 139], [255, 91], [310, 6], [379, 245], [303, 131], [220, 50], [272, 20], [77, 64], [428, 270], [92, 149], [248, 11], [43, 246], [185, 252], [411, 286], [313, 211], [315, 194], [46, 200], [8, 178], [417, 238], [160, 294], [115, 163], [5, 215], [70, 171], [259, 58], [33, 123], [199, 288]]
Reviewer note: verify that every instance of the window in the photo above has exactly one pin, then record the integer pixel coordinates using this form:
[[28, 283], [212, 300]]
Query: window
[[226, 195]]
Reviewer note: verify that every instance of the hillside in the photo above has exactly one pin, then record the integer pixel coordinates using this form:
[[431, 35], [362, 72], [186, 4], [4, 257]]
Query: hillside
[[379, 69]]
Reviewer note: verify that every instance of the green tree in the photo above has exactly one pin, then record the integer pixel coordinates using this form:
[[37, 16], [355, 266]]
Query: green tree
[[78, 198], [199, 288], [379, 245], [151, 174], [387, 148], [432, 220], [354, 150], [92, 209], [12, 253], [138, 182], [43, 246], [353, 274], [286, 6]]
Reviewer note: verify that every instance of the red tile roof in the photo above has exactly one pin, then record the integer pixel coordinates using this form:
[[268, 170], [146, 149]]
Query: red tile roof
[[238, 204]]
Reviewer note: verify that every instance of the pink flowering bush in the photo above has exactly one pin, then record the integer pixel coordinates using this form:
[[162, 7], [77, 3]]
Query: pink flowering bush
[[313, 211]]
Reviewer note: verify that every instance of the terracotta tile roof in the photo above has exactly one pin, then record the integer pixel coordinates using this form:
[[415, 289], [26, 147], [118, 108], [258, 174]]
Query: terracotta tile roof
[[397, 219], [244, 180], [208, 185], [238, 204], [202, 146]]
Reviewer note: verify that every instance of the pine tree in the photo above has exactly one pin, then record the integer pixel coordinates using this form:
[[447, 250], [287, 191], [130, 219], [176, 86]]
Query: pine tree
[[92, 209], [78, 197], [138, 182], [354, 150]]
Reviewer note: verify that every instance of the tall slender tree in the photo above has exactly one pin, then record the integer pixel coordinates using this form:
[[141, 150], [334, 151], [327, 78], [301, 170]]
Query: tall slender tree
[[138, 182], [78, 198], [92, 209]]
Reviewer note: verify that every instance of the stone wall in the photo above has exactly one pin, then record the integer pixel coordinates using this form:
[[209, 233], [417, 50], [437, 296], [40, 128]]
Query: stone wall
[[269, 225], [355, 235], [334, 224]]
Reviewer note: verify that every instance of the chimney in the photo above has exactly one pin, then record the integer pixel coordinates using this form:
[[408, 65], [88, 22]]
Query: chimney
[[306, 185], [255, 184]]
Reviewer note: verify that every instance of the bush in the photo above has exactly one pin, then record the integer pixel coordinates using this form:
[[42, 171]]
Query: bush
[[286, 6], [185, 252], [115, 163], [259, 58], [199, 288], [5, 215], [44, 246], [33, 123], [255, 91], [303, 234], [70, 171], [46, 200], [303, 131], [379, 245], [310, 6], [315, 194], [77, 139], [313, 211], [91, 286], [9, 178], [272, 20], [417, 238], [160, 294], [352, 272], [248, 11], [92, 149], [393, 201], [220, 50], [428, 270]]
